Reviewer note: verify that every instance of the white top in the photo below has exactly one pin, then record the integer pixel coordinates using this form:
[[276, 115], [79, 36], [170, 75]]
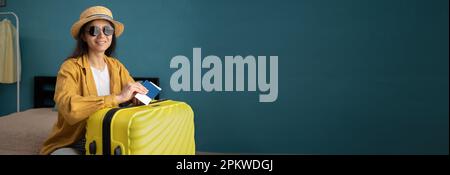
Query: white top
[[101, 78]]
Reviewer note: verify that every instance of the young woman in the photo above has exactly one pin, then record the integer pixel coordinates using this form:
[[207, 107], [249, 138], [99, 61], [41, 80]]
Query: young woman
[[89, 80]]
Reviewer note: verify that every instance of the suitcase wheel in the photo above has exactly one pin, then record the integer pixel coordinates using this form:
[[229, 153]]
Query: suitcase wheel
[[117, 151], [93, 147]]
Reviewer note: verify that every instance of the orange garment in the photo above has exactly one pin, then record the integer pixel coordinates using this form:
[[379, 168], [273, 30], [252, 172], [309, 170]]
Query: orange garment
[[76, 99]]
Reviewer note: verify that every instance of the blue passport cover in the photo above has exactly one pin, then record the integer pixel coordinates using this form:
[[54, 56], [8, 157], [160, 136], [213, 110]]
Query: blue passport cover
[[153, 90]]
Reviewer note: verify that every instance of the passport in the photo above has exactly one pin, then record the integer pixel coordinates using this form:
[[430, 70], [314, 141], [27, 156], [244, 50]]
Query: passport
[[153, 91]]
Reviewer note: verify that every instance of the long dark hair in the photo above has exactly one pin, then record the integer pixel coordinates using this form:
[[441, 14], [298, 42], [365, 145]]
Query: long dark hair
[[82, 47]]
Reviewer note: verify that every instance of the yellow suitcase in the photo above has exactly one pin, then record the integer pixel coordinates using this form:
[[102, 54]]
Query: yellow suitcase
[[160, 128]]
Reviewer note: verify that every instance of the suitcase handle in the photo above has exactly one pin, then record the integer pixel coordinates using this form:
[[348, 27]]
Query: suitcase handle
[[130, 104]]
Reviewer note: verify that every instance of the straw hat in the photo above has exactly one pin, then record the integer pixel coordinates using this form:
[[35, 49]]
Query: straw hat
[[93, 13]]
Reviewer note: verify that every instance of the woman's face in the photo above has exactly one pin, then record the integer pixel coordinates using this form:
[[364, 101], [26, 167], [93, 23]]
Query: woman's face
[[98, 35]]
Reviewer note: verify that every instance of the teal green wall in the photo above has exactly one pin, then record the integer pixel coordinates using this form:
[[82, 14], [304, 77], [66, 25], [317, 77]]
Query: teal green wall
[[355, 76]]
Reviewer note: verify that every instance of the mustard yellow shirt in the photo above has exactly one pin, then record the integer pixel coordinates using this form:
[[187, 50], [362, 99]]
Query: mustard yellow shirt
[[76, 99]]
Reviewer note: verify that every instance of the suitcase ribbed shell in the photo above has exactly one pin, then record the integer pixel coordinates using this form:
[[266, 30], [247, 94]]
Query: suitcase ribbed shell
[[161, 128]]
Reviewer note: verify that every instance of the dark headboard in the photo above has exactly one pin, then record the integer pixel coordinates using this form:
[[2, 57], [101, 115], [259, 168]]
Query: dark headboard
[[44, 89]]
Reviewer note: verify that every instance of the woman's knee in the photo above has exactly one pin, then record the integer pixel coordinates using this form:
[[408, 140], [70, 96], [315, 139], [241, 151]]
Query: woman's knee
[[65, 151]]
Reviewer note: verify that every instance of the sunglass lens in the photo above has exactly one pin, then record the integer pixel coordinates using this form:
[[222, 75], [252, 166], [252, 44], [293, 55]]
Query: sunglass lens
[[108, 30], [94, 30]]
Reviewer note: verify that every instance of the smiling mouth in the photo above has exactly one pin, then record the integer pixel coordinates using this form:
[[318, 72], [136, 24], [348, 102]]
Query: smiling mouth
[[100, 42]]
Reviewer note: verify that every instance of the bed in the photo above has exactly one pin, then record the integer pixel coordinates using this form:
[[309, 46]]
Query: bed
[[23, 133]]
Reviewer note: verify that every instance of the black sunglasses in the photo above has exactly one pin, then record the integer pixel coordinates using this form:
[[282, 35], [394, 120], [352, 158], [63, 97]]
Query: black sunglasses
[[94, 30]]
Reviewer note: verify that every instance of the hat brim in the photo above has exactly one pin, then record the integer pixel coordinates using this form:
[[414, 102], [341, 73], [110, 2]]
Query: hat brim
[[118, 27]]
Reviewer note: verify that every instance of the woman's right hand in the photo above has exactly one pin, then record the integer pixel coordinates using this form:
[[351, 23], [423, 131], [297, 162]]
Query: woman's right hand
[[129, 91]]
